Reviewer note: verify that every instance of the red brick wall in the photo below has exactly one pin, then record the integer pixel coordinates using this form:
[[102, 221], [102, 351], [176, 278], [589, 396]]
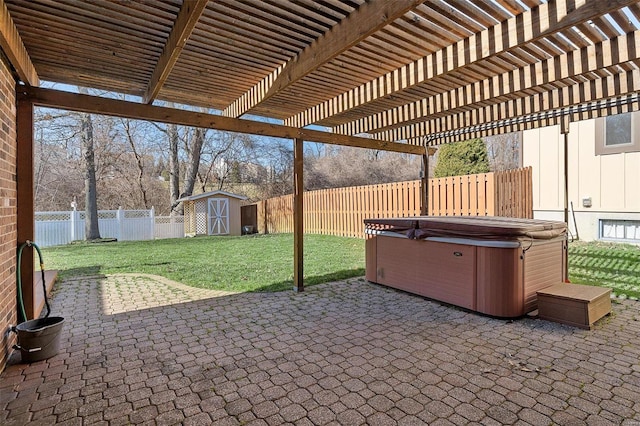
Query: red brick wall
[[8, 217]]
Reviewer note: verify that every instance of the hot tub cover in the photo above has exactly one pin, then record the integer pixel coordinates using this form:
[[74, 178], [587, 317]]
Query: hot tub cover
[[485, 227]]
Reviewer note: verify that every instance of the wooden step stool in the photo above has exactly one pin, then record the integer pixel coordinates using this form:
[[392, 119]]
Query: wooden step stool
[[574, 304]]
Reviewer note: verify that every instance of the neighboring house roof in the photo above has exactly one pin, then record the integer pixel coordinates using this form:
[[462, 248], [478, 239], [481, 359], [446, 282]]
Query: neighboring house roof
[[211, 194]]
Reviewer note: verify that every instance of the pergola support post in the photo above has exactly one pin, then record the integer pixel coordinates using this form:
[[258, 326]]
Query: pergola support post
[[298, 215], [25, 201], [424, 193], [564, 129], [424, 202]]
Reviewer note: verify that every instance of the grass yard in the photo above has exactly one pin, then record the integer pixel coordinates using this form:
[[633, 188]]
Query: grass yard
[[265, 262], [606, 264], [248, 263]]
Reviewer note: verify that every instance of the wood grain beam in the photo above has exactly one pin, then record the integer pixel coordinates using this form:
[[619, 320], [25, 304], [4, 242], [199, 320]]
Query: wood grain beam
[[298, 215], [530, 26], [118, 108], [582, 101], [516, 83], [26, 224], [13, 47], [184, 25], [369, 18]]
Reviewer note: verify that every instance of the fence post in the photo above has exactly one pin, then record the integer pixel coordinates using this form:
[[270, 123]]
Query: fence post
[[73, 218], [119, 217], [152, 222], [491, 191], [266, 218]]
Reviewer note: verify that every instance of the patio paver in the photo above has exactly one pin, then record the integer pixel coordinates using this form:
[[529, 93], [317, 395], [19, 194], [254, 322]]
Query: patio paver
[[140, 349]]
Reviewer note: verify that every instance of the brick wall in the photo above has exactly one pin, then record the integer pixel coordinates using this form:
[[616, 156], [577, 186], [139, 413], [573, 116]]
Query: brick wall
[[8, 217]]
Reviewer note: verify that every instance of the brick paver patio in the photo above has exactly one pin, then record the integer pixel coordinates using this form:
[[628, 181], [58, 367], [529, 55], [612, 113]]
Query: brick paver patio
[[144, 350]]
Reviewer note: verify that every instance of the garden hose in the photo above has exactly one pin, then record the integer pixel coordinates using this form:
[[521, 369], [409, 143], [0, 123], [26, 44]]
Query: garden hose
[[19, 279]]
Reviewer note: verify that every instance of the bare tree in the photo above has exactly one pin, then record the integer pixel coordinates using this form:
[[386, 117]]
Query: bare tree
[[504, 151], [127, 162], [345, 166], [211, 171], [224, 155], [174, 167], [92, 231], [193, 147], [173, 139], [131, 139], [57, 163], [129, 158]]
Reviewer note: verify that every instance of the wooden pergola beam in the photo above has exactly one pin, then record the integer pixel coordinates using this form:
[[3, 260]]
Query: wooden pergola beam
[[13, 47], [530, 26], [114, 107], [25, 218], [520, 82], [581, 101], [369, 18], [298, 215], [184, 25]]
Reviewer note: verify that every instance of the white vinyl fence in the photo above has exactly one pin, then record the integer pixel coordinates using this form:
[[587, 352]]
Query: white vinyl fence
[[169, 227], [56, 228]]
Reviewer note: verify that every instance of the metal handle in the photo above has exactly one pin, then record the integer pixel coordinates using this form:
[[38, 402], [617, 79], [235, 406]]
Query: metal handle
[[20, 348]]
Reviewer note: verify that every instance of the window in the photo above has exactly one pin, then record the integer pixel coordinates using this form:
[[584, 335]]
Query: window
[[618, 133], [620, 230], [617, 130]]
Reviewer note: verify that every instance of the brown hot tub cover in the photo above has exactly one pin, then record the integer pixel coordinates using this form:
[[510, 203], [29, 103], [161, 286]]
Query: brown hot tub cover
[[484, 227]]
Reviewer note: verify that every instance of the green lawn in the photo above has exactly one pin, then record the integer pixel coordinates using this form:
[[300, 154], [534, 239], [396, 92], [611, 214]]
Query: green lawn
[[248, 263], [265, 262], [606, 264]]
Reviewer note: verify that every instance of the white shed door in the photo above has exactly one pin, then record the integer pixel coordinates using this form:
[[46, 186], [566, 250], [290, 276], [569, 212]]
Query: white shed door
[[218, 216]]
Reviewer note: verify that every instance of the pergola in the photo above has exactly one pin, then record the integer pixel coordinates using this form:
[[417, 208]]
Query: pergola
[[396, 75]]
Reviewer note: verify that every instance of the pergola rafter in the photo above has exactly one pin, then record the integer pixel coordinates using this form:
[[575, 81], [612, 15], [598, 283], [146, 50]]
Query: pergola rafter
[[13, 47], [553, 117], [529, 113], [560, 70], [530, 26], [368, 19], [185, 23]]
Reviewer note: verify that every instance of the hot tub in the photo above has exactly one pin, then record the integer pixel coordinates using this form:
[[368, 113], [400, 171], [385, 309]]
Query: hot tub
[[492, 265]]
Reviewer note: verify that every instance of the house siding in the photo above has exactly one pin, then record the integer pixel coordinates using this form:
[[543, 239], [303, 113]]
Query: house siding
[[8, 215], [611, 181]]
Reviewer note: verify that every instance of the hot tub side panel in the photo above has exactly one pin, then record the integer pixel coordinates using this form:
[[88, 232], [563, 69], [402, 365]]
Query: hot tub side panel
[[543, 267], [371, 258], [440, 271], [499, 282], [508, 279]]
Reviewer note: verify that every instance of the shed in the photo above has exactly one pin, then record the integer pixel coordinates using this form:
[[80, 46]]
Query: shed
[[212, 213]]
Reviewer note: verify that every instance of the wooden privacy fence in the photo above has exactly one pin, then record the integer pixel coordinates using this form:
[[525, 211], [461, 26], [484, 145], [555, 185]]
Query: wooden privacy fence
[[514, 193], [507, 193], [341, 211]]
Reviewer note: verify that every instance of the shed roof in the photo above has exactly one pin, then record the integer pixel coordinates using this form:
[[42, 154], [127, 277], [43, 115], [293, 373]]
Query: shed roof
[[391, 70], [211, 194]]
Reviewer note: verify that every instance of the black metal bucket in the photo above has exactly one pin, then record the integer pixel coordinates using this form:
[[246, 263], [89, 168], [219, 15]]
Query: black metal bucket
[[39, 339]]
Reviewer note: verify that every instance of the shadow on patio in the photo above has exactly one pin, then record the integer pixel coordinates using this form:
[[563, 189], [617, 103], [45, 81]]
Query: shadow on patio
[[142, 349]]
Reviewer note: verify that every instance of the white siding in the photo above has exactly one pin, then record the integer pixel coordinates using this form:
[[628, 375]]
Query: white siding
[[632, 182], [611, 181]]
